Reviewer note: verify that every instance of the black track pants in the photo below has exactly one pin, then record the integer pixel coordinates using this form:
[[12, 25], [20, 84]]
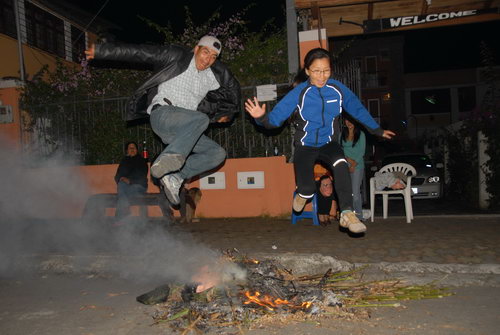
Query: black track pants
[[333, 156]]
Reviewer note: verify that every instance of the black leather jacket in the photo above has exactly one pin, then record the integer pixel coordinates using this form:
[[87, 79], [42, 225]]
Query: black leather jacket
[[168, 62]]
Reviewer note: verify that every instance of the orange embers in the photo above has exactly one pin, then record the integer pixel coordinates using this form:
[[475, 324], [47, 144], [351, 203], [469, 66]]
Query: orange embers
[[205, 278], [271, 303]]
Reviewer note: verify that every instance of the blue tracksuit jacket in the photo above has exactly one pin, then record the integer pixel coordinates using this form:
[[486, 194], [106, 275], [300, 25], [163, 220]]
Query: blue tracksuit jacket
[[317, 109]]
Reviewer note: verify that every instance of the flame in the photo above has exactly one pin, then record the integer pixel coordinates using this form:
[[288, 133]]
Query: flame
[[270, 303]]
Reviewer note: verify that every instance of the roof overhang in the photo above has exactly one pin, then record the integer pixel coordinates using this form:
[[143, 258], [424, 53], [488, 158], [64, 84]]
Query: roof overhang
[[354, 17]]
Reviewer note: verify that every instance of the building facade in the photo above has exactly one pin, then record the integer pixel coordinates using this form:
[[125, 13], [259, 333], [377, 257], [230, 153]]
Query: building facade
[[35, 34]]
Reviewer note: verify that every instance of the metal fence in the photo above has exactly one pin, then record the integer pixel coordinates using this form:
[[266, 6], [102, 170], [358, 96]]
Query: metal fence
[[92, 131]]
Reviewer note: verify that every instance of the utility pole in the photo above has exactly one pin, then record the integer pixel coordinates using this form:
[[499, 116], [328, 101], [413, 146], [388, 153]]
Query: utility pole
[[19, 40], [292, 39]]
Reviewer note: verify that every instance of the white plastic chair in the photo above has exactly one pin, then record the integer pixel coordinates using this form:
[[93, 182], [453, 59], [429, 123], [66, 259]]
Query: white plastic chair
[[406, 192]]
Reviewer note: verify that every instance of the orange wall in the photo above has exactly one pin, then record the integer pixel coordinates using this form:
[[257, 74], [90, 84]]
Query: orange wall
[[309, 40], [34, 58], [274, 200]]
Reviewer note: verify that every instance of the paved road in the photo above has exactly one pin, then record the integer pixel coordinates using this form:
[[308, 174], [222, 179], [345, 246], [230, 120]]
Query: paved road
[[76, 305]]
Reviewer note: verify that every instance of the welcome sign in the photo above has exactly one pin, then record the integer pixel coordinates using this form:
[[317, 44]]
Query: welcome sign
[[405, 21]]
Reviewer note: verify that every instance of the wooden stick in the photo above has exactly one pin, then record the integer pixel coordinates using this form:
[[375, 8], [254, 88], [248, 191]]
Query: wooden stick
[[191, 326]]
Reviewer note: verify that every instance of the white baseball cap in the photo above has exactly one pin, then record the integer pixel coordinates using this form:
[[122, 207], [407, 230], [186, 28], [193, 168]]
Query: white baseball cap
[[211, 42]]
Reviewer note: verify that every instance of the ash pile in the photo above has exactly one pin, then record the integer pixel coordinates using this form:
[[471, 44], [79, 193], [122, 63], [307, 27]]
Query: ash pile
[[242, 293]]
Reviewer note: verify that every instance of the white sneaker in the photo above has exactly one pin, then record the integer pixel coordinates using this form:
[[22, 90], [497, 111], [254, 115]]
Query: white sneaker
[[298, 203], [349, 220], [172, 184]]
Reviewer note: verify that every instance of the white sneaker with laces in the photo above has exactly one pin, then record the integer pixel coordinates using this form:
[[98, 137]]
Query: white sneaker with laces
[[171, 186], [349, 220], [298, 203]]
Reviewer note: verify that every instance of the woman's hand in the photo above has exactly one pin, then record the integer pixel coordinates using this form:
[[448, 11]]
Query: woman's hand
[[125, 180], [253, 108], [388, 134]]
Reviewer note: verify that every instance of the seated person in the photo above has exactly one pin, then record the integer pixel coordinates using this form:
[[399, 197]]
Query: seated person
[[326, 200], [390, 180], [131, 180]]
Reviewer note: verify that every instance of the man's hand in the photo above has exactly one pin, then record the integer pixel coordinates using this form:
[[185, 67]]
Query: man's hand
[[223, 119], [90, 52], [254, 109], [388, 134]]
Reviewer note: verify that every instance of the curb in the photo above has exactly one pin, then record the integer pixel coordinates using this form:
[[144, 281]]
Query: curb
[[451, 216], [300, 264]]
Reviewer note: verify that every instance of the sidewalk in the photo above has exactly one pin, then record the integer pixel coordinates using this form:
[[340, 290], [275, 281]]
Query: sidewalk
[[466, 239], [462, 245]]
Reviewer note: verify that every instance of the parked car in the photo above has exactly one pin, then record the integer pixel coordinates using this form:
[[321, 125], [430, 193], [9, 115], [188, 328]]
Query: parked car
[[427, 184]]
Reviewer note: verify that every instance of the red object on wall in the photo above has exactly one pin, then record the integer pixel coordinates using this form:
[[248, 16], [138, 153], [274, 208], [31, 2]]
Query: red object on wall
[[145, 154]]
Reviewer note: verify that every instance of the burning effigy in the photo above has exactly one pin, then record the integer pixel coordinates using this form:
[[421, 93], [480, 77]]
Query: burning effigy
[[239, 292]]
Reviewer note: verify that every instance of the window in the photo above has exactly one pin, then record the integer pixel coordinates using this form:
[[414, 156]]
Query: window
[[7, 18], [384, 54], [44, 30], [371, 78], [466, 99], [77, 44], [432, 101], [374, 109], [371, 64]]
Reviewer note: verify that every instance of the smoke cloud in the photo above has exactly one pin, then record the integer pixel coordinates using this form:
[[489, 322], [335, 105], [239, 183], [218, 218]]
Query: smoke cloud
[[33, 204]]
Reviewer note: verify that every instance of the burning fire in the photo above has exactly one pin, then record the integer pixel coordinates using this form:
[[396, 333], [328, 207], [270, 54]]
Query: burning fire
[[220, 273], [252, 261], [205, 278], [270, 303]]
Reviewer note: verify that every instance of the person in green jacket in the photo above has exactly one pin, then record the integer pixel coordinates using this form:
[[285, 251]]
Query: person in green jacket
[[354, 145]]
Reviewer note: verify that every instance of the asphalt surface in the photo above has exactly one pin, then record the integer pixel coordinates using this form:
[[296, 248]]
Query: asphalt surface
[[84, 305]]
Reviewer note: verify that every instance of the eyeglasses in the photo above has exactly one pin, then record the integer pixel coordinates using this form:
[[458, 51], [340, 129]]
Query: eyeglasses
[[318, 72]]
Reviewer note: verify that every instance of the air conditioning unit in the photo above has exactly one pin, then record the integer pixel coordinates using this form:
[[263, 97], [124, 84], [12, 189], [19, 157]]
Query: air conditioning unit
[[6, 115]]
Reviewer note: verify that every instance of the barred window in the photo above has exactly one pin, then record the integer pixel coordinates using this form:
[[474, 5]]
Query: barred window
[[44, 30], [7, 18]]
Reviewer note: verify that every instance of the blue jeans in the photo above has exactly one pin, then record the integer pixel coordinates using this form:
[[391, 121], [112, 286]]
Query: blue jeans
[[126, 191], [357, 200], [182, 130]]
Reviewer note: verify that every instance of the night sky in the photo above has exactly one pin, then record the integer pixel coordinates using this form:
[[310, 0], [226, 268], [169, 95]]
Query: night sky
[[125, 13], [425, 50]]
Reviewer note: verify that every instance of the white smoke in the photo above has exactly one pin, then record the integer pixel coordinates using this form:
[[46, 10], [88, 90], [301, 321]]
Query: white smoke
[[33, 206]]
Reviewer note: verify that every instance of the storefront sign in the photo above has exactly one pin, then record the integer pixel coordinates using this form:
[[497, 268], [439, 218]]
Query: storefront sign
[[405, 21]]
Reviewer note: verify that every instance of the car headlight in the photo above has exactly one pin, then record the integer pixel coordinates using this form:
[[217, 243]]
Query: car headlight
[[433, 179]]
